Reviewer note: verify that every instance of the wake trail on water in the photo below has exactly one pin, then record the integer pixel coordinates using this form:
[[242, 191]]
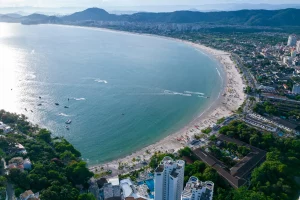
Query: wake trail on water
[[64, 115], [79, 99], [189, 92], [100, 81]]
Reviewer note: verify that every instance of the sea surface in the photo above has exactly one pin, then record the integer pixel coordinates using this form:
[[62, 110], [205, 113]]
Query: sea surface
[[124, 91]]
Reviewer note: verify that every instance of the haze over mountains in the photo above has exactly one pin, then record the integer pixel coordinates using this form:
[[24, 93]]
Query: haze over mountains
[[285, 17], [26, 10]]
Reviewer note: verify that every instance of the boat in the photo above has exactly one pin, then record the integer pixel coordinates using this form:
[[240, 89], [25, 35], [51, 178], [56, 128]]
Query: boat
[[66, 107], [67, 127], [68, 121], [31, 111], [26, 109], [39, 104], [40, 97], [57, 104]]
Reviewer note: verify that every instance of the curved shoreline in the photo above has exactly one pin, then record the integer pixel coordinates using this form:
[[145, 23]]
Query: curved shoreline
[[223, 106]]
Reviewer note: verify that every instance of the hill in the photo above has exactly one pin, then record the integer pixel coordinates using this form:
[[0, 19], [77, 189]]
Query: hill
[[285, 17]]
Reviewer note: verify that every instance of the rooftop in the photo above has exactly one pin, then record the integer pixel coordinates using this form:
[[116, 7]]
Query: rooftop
[[236, 175]]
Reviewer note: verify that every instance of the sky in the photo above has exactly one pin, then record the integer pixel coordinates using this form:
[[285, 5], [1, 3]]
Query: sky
[[116, 3]]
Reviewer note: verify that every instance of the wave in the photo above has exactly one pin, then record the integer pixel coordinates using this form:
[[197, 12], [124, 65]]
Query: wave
[[219, 72], [101, 81], [79, 99], [198, 93]]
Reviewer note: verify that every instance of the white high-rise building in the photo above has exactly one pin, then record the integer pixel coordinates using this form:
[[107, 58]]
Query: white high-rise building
[[169, 177], [292, 41], [298, 46], [197, 190]]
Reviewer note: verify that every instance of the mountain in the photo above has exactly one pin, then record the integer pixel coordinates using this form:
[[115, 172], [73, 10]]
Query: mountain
[[285, 17], [90, 14]]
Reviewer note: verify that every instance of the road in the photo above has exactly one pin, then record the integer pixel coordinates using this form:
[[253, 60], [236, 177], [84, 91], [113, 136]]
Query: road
[[249, 77]]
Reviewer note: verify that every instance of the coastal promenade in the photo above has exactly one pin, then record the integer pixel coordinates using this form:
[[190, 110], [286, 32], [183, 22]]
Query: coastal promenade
[[230, 99]]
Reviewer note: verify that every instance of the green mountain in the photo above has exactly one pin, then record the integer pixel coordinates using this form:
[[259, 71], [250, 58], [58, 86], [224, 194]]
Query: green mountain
[[285, 17]]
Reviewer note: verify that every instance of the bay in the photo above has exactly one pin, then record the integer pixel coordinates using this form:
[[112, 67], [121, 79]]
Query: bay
[[125, 91]]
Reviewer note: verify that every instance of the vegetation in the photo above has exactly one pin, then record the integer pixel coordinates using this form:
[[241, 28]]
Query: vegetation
[[275, 178], [220, 121], [57, 171], [207, 130]]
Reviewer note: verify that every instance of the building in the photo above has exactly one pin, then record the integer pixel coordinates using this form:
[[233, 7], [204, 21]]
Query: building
[[293, 53], [6, 129], [287, 60], [296, 89], [197, 190], [129, 191], [168, 179], [29, 195], [237, 175], [292, 41], [112, 190], [298, 46], [27, 164]]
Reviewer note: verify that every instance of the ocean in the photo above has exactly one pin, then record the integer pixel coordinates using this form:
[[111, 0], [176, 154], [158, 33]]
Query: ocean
[[123, 91]]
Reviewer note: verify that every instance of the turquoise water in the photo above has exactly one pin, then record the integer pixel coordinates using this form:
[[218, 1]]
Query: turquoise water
[[125, 91]]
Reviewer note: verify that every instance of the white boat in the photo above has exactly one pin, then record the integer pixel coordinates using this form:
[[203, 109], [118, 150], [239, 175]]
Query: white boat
[[68, 121]]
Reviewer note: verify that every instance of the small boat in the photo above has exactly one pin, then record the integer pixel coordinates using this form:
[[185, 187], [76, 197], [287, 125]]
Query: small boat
[[57, 104], [68, 121], [26, 109], [39, 104], [40, 97], [66, 107], [31, 111], [67, 127]]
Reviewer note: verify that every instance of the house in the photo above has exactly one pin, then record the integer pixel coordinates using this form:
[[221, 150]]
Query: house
[[19, 163], [27, 164], [21, 149], [5, 128], [29, 195]]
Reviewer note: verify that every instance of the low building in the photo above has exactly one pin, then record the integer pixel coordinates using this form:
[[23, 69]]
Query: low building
[[296, 89], [112, 190], [27, 164], [29, 195], [238, 174], [5, 128], [16, 163], [197, 190], [129, 191]]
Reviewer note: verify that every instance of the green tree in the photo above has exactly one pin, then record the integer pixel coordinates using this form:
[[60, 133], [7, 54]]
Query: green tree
[[45, 135], [87, 196]]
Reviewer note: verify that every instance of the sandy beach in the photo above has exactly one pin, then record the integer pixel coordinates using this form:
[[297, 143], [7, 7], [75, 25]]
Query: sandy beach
[[230, 99]]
